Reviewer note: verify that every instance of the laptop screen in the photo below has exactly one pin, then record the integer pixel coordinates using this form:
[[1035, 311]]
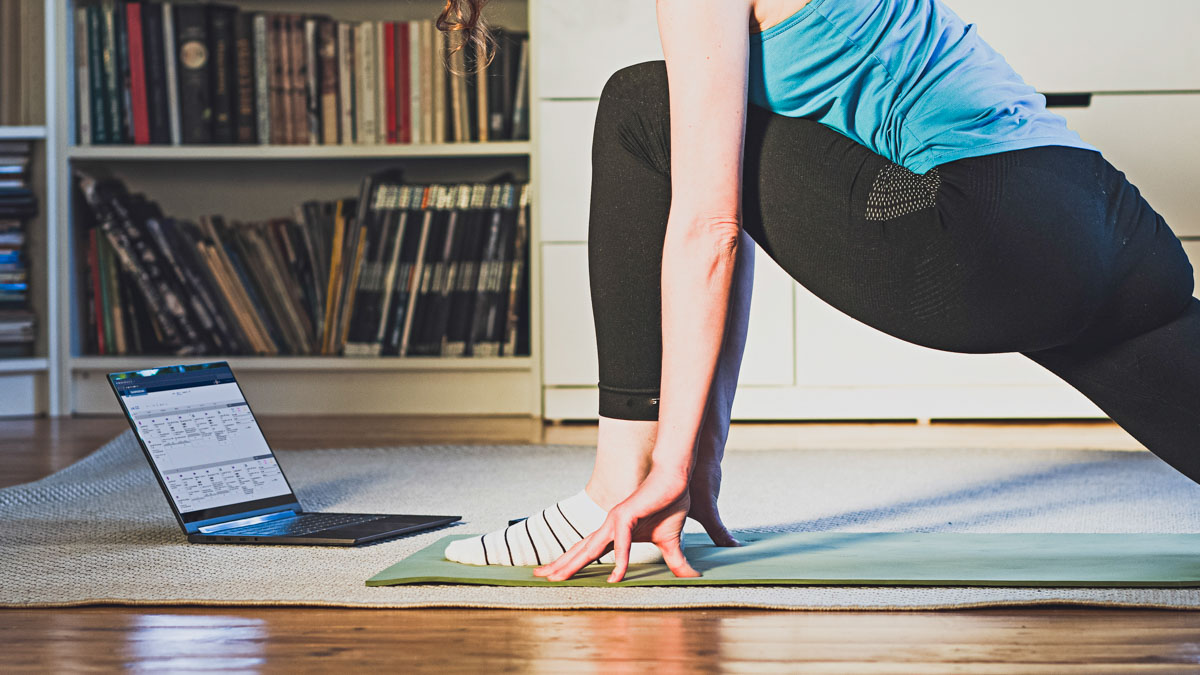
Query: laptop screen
[[211, 458]]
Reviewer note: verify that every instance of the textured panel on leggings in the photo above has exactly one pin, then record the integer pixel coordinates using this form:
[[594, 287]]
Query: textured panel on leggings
[[897, 192]]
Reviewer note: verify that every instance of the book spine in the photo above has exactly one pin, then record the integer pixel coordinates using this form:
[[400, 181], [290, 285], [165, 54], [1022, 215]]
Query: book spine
[[112, 84], [463, 304], [97, 309], [389, 78], [83, 83], [512, 336], [156, 57], [458, 104], [417, 272], [99, 106], [223, 72], [345, 51], [299, 77], [329, 84], [171, 67], [481, 92], [263, 114], [402, 68], [312, 87], [391, 297], [121, 51], [195, 105], [281, 110], [439, 91], [333, 288], [245, 69], [477, 338], [521, 95], [365, 62], [416, 80], [427, 90]]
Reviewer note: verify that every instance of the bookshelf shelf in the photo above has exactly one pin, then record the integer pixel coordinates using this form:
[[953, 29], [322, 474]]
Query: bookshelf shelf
[[22, 133], [298, 152], [24, 365], [311, 363]]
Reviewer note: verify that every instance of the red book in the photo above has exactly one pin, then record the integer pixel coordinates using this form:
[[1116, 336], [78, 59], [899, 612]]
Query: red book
[[140, 113], [93, 254], [403, 102], [389, 78]]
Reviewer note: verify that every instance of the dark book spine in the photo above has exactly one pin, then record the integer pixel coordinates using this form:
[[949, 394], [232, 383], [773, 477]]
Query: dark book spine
[[97, 97], [195, 66], [312, 82], [514, 338], [157, 112], [112, 74], [479, 338], [459, 203], [467, 276], [124, 76], [223, 72], [298, 78], [281, 110], [245, 122]]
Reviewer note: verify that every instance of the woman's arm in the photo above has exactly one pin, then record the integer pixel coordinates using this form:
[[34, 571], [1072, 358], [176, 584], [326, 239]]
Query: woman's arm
[[706, 45]]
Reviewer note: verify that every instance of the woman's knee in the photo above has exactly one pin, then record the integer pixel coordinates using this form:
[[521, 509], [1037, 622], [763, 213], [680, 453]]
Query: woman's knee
[[634, 114]]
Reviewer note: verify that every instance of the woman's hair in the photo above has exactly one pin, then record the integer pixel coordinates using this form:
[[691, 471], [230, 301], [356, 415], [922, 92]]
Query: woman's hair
[[466, 16]]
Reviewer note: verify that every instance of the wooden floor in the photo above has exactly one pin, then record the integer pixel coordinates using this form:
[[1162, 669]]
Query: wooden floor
[[1047, 640]]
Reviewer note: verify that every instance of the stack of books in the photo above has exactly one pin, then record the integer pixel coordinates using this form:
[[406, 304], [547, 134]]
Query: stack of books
[[175, 73], [17, 205], [400, 270]]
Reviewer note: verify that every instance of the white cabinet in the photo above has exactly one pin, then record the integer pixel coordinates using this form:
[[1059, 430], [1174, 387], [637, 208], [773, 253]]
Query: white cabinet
[[580, 44], [1155, 140], [1097, 45], [1193, 252], [568, 334], [565, 133]]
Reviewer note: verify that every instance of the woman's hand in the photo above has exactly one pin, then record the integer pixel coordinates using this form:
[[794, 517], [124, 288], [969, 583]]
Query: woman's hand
[[655, 512]]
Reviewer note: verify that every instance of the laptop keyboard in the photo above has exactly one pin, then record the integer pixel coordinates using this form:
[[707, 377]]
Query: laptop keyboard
[[305, 523]]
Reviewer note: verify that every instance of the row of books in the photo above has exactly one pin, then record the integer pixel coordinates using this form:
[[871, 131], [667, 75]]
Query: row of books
[[401, 270], [18, 204], [176, 73]]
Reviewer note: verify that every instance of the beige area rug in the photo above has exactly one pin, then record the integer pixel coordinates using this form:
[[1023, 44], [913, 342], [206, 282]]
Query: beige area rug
[[100, 531]]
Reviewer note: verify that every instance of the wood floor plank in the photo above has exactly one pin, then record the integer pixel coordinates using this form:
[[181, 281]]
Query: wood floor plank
[[1041, 640]]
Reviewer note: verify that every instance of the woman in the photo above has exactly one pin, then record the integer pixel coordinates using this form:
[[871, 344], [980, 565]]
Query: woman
[[896, 166]]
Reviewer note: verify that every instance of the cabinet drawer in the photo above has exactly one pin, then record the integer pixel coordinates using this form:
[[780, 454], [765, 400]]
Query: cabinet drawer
[[580, 44], [565, 168], [1155, 140], [1097, 45]]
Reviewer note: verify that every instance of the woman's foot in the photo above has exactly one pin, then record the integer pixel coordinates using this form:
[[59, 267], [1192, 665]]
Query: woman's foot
[[543, 537]]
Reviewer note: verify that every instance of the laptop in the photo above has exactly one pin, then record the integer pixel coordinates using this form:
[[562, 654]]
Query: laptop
[[219, 475]]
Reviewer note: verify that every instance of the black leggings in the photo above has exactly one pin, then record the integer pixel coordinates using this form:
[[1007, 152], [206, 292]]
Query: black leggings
[[1047, 251]]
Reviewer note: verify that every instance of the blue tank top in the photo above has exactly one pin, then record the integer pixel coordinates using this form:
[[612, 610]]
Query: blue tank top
[[906, 78]]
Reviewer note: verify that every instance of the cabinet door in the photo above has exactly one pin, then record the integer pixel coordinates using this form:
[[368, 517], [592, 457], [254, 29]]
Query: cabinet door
[[769, 357], [568, 330], [1093, 45], [580, 44], [565, 168], [1155, 140]]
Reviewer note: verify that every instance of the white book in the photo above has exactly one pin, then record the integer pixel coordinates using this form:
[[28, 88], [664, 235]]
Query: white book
[[381, 126], [345, 57], [365, 66], [83, 99], [262, 80], [439, 85], [415, 97], [172, 76]]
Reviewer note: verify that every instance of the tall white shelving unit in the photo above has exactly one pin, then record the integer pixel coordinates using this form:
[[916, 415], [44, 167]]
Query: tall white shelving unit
[[26, 384], [255, 181]]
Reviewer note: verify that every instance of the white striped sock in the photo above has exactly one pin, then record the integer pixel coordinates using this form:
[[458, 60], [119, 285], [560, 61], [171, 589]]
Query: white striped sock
[[543, 537]]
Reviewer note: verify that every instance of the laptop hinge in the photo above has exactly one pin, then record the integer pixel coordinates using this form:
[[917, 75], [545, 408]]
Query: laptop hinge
[[229, 525]]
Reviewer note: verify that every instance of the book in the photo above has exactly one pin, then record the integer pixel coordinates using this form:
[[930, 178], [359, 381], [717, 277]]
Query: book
[[171, 67], [263, 93], [364, 84], [111, 73], [245, 69], [312, 89], [156, 56], [297, 78], [388, 57], [345, 49], [403, 72], [223, 71], [194, 70], [83, 114], [280, 105], [327, 57]]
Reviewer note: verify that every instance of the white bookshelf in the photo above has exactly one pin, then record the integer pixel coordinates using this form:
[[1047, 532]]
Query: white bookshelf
[[255, 181], [22, 133]]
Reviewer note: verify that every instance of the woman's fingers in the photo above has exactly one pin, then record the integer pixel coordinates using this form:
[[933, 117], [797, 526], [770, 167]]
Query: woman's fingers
[[621, 545], [676, 560]]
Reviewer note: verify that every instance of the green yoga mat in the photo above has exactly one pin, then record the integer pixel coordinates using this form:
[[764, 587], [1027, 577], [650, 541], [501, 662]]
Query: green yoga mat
[[868, 559]]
